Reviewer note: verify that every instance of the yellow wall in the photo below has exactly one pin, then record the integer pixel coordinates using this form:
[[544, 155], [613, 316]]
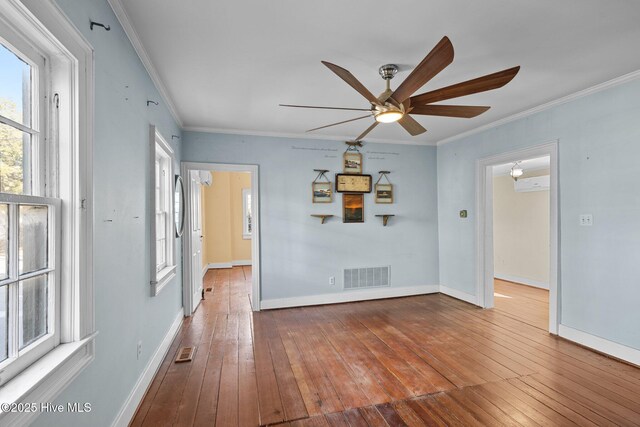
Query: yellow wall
[[222, 219], [521, 231]]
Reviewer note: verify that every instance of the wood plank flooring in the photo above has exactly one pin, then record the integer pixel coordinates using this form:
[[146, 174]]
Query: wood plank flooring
[[525, 303], [419, 361]]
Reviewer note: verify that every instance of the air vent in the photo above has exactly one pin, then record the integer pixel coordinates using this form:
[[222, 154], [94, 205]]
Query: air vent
[[185, 354], [365, 278]]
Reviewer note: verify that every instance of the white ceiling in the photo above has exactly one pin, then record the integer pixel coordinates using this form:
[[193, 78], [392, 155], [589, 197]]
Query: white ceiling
[[527, 165], [226, 65]]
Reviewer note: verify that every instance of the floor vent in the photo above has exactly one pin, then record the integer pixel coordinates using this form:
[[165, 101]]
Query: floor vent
[[185, 354], [209, 289], [364, 278]]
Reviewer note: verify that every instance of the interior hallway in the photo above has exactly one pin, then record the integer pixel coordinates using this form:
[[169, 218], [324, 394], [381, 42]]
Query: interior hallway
[[424, 360], [525, 303]]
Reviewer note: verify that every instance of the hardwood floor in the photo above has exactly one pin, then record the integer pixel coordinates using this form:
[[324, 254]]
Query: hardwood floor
[[425, 360], [525, 303]]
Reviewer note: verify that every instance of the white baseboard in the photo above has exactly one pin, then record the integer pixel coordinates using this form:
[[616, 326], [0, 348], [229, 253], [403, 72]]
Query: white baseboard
[[620, 351], [239, 262], [215, 265], [130, 406], [459, 295], [204, 270], [348, 296], [522, 281]]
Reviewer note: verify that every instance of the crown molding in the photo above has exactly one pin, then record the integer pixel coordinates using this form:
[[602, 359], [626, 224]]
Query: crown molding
[[582, 93], [125, 22], [298, 135]]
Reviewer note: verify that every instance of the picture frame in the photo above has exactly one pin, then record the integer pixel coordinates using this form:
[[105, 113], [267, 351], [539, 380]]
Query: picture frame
[[384, 193], [321, 192], [352, 207], [352, 183], [352, 162]]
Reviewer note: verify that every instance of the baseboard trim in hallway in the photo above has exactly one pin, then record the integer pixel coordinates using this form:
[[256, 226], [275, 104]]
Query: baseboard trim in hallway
[[130, 406], [352, 296]]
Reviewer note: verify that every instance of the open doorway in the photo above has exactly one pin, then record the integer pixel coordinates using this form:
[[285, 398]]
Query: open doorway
[[502, 254], [221, 256], [226, 238], [521, 217]]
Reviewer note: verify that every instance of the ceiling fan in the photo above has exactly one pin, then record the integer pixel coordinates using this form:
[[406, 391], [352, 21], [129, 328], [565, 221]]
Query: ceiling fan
[[399, 105]]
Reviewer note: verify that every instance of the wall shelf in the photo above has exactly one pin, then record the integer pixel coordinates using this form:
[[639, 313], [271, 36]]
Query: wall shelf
[[322, 217], [385, 218]]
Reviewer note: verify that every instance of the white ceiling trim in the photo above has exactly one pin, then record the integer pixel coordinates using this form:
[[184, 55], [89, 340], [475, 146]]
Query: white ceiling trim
[[300, 136], [123, 18], [593, 89]]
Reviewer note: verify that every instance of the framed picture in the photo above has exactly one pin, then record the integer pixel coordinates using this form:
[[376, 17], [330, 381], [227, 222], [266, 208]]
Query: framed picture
[[350, 183], [352, 162], [322, 192], [352, 208], [384, 193]]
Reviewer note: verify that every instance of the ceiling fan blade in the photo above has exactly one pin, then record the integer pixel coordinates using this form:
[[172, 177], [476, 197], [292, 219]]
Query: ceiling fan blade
[[480, 84], [369, 129], [411, 125], [339, 123], [325, 108], [464, 111], [436, 61], [352, 81]]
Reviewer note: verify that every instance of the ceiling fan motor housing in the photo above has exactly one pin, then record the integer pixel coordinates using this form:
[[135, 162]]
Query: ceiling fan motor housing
[[387, 71]]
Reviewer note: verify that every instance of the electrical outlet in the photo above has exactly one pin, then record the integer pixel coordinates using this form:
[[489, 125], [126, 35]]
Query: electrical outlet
[[586, 220], [332, 280], [139, 349]]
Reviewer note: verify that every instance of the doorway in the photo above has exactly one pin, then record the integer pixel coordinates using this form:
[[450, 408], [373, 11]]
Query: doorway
[[511, 292], [216, 195], [521, 240]]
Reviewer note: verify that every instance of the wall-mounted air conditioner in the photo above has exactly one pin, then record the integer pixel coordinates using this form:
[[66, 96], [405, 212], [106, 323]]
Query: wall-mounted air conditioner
[[537, 183]]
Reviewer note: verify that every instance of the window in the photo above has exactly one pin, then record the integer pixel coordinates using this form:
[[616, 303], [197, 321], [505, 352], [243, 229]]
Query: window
[[29, 226], [163, 268], [246, 213], [46, 134]]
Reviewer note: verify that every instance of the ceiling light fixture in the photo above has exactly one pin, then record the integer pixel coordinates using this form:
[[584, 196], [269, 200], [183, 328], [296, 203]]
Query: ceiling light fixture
[[516, 171], [389, 116]]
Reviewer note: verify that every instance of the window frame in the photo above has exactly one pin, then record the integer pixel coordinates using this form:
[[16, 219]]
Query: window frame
[[246, 196], [161, 152], [41, 24]]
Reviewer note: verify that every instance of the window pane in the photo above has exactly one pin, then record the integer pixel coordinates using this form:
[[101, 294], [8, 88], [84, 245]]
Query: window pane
[[15, 149], [32, 317], [15, 87], [33, 238], [4, 337], [4, 244]]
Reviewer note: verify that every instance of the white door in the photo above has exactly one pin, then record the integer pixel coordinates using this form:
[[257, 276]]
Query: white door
[[196, 239]]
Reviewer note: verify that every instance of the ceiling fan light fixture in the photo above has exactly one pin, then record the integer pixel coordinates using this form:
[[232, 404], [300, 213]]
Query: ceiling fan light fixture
[[389, 116]]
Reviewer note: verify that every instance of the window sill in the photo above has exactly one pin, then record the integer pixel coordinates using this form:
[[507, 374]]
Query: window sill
[[45, 379], [163, 277]]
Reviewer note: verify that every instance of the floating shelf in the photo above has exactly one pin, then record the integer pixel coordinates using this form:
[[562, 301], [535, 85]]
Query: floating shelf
[[385, 218], [322, 217]]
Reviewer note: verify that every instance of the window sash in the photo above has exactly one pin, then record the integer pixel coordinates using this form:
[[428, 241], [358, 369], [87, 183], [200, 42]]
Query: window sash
[[20, 358]]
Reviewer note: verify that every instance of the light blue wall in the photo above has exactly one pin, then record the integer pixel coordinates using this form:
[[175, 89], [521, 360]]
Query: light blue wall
[[125, 313], [298, 253], [599, 148]]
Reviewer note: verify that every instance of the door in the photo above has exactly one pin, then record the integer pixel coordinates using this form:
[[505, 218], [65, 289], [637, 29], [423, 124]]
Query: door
[[196, 239]]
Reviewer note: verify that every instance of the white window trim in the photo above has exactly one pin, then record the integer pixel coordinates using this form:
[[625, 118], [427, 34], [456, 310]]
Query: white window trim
[[159, 279], [245, 235], [43, 22]]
